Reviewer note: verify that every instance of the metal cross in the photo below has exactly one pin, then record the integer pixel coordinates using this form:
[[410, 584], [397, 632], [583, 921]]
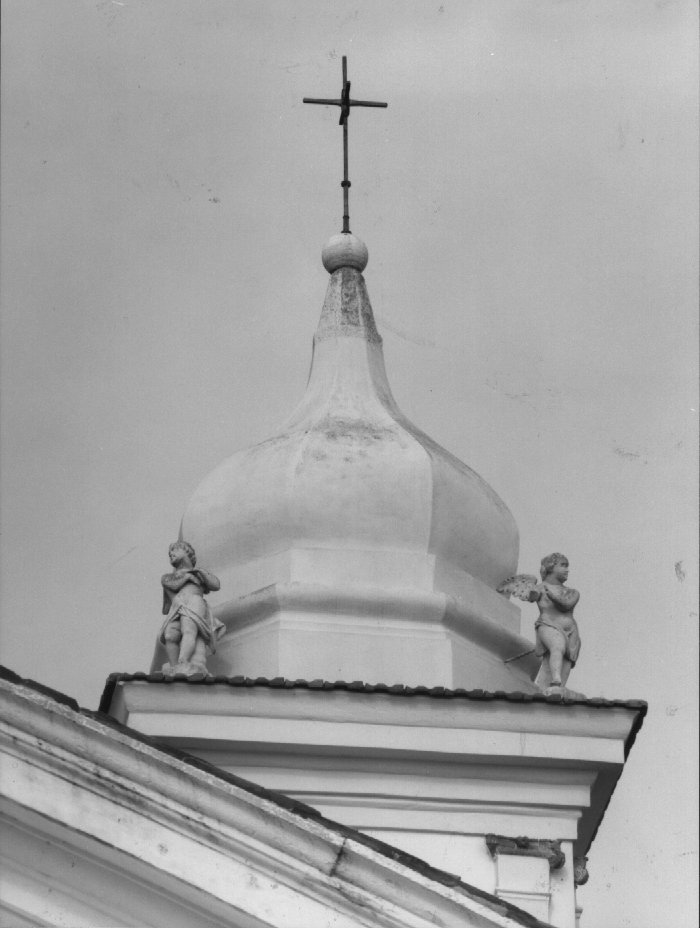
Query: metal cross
[[344, 103]]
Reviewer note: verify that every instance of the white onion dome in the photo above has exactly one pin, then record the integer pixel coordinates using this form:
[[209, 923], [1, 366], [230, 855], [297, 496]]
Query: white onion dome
[[349, 471]]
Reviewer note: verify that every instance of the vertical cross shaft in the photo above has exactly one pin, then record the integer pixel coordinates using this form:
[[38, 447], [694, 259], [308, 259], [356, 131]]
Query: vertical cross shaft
[[344, 102], [344, 114]]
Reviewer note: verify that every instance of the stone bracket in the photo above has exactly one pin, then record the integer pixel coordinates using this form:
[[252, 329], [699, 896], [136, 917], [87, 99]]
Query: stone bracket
[[527, 847], [580, 871]]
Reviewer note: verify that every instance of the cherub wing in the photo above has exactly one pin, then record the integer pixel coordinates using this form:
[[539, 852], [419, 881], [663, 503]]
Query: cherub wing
[[521, 585]]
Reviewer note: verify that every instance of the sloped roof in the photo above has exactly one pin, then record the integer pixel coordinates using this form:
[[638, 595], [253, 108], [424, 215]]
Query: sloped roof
[[498, 906]]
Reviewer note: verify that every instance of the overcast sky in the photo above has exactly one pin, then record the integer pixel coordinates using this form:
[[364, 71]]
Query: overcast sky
[[529, 204]]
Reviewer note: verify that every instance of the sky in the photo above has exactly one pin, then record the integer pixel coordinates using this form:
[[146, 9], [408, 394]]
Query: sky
[[529, 204]]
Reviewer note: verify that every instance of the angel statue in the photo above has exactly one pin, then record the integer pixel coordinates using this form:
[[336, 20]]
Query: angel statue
[[558, 641], [189, 629]]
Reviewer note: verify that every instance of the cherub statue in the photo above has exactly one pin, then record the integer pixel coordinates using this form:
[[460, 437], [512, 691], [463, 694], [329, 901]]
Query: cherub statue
[[558, 641], [189, 629]]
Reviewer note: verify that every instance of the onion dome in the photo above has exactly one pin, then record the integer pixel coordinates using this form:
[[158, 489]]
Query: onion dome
[[350, 498]]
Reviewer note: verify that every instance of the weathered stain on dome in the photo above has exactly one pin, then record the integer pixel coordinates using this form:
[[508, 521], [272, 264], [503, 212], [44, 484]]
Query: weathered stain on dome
[[347, 309], [336, 429]]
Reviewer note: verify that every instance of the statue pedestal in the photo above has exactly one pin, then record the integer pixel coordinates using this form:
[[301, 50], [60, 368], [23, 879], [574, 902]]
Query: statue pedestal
[[186, 668]]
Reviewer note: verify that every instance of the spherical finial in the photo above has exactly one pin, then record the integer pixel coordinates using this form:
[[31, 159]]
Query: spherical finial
[[344, 250]]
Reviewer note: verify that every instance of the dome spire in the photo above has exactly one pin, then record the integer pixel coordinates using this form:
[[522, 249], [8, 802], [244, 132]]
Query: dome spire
[[344, 102]]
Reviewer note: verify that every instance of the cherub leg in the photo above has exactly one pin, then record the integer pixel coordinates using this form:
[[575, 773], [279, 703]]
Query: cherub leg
[[544, 677], [556, 659], [554, 644], [200, 651], [172, 638], [189, 639], [565, 670]]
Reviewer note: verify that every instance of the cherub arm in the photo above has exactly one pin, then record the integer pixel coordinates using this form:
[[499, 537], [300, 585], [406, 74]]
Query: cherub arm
[[563, 598], [167, 594], [175, 581], [171, 583], [209, 582]]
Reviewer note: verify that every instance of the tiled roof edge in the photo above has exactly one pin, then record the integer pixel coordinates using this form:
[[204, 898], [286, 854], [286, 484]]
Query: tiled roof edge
[[357, 686]]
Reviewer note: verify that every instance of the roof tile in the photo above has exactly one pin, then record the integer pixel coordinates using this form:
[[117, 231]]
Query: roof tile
[[358, 686]]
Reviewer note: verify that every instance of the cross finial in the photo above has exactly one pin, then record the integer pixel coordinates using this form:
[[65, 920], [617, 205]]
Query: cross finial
[[344, 103]]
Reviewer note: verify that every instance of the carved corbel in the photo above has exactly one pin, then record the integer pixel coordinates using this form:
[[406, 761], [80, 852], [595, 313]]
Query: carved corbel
[[528, 847], [580, 871]]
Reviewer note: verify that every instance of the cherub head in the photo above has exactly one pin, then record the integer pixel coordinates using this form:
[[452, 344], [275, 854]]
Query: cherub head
[[550, 562], [185, 548]]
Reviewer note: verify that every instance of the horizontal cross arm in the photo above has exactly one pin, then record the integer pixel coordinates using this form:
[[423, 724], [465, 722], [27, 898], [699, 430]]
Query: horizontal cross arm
[[366, 103], [327, 102]]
